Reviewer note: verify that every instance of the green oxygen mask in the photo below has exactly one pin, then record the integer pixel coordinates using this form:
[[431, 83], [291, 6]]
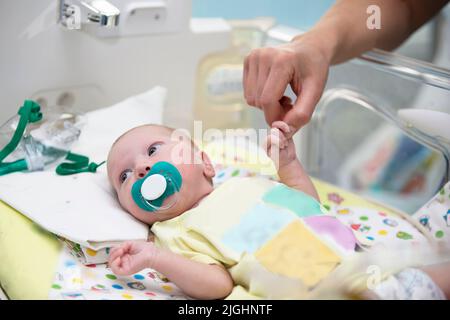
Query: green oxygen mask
[[161, 182], [31, 144]]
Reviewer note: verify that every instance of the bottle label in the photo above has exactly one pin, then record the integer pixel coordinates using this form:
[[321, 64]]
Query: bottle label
[[225, 82]]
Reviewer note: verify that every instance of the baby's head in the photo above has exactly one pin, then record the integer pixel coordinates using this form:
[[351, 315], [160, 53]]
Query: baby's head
[[135, 152]]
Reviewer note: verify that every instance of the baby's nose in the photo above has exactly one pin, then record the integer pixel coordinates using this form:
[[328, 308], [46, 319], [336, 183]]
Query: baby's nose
[[141, 170]]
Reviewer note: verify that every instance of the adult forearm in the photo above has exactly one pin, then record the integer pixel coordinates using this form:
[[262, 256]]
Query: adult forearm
[[343, 32]]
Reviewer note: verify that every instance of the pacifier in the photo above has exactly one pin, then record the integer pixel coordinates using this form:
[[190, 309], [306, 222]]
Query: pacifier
[[162, 181]]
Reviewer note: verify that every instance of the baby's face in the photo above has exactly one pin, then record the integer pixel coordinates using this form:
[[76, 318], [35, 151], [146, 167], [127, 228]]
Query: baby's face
[[134, 154]]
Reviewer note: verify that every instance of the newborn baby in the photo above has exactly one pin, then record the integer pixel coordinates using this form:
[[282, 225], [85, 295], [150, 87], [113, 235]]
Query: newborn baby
[[252, 236]]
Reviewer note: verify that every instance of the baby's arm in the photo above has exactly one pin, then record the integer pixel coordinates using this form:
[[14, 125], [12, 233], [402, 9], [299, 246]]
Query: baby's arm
[[282, 151], [198, 280]]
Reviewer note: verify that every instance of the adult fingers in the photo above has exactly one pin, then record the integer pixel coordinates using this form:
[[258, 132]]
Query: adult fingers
[[301, 112], [251, 77], [286, 102], [274, 88], [264, 66]]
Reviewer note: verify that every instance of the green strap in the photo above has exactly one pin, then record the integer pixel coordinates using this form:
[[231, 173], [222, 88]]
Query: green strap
[[29, 113], [78, 163], [9, 167]]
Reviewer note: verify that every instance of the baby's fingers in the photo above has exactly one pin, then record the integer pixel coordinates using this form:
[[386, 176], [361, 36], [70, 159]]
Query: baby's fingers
[[115, 265], [129, 247], [126, 263], [281, 125], [279, 138], [119, 267], [116, 254], [275, 137], [125, 267], [273, 147], [272, 141]]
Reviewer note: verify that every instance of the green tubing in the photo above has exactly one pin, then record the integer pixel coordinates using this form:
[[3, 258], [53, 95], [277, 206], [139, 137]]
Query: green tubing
[[77, 164]]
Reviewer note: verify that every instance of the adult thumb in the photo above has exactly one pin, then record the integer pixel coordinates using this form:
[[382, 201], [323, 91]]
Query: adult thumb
[[304, 106]]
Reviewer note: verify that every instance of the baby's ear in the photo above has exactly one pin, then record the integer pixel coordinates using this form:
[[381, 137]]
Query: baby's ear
[[208, 168]]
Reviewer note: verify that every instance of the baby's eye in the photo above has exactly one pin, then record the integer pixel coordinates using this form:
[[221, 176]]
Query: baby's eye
[[124, 175], [153, 148]]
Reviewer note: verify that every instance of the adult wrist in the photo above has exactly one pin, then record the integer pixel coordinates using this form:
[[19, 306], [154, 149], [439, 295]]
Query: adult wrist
[[322, 39]]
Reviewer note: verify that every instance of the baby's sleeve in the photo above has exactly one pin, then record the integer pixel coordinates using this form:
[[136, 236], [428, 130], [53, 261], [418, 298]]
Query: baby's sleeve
[[173, 236]]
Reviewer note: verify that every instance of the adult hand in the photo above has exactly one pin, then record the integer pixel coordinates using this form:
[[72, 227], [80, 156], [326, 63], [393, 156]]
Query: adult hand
[[341, 34], [302, 64]]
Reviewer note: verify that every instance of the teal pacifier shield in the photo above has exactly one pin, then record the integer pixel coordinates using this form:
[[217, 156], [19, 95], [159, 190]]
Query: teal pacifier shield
[[173, 179]]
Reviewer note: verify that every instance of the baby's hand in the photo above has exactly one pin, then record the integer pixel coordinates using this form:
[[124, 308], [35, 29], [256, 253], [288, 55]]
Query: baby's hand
[[131, 257], [280, 148]]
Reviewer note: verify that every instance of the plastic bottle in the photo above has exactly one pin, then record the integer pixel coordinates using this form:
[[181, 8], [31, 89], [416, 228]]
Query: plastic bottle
[[219, 101]]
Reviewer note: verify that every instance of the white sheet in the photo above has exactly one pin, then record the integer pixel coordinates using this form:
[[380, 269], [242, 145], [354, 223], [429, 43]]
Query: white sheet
[[83, 207]]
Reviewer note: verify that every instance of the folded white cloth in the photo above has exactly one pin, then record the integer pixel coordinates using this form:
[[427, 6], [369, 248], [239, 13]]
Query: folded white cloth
[[83, 208]]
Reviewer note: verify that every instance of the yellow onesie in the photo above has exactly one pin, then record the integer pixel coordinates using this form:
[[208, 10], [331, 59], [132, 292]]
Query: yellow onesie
[[276, 242]]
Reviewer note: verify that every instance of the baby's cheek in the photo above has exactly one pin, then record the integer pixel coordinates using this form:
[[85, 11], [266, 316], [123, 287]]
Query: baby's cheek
[[132, 208], [126, 201], [191, 172], [192, 179]]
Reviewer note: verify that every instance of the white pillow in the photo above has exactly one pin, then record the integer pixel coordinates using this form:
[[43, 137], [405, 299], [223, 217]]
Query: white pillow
[[105, 125], [83, 208]]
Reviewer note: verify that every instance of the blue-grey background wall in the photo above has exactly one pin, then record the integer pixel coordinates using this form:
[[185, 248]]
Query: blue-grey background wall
[[301, 14]]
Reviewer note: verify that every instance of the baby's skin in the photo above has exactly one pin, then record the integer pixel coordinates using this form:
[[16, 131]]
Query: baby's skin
[[129, 160]]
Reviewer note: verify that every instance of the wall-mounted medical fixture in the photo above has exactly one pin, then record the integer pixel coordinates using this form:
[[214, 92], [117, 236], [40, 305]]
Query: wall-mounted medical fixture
[[137, 18], [100, 12]]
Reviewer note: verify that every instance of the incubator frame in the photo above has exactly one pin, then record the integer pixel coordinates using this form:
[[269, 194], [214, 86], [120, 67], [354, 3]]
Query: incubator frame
[[405, 67], [314, 142], [423, 73]]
